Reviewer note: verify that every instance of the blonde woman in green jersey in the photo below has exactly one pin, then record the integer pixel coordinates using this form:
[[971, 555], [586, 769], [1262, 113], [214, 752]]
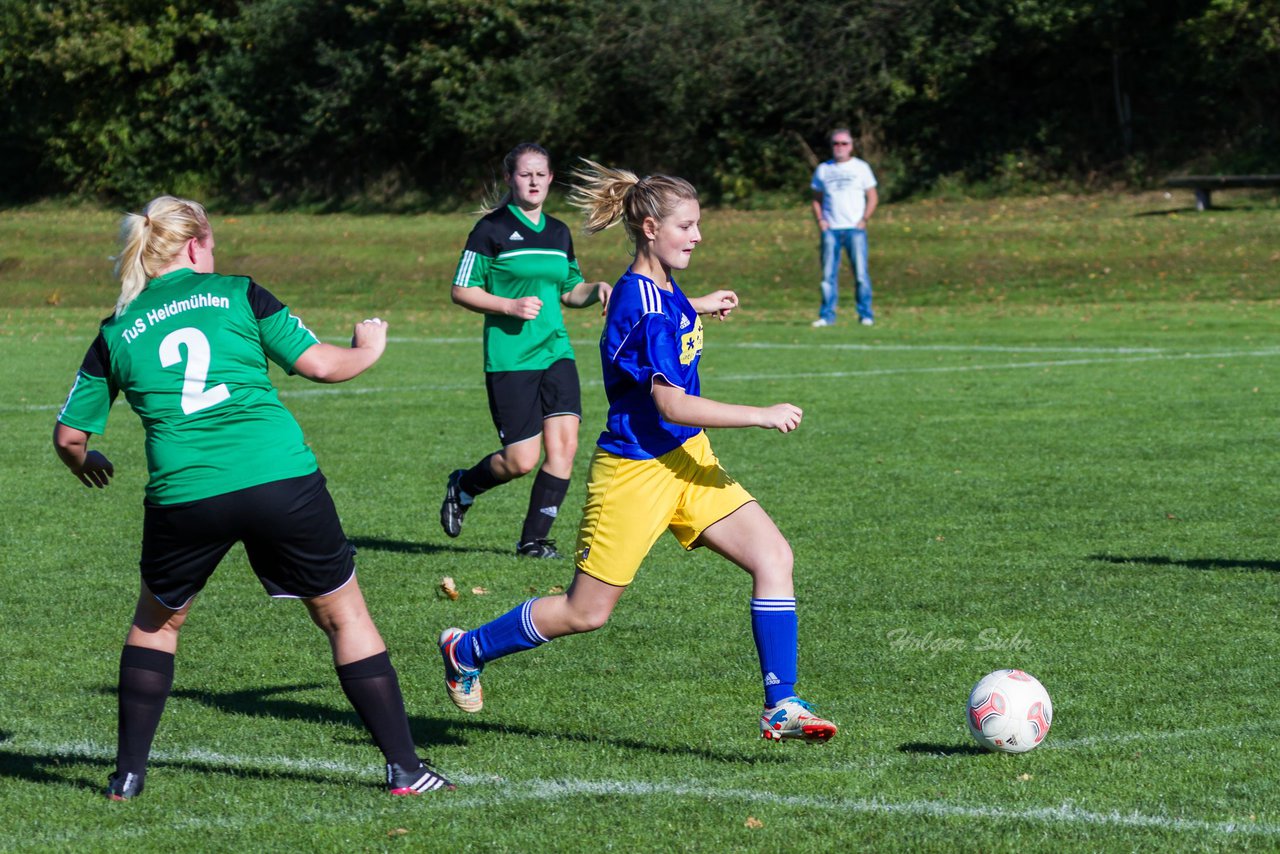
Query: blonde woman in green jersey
[[517, 269], [227, 463]]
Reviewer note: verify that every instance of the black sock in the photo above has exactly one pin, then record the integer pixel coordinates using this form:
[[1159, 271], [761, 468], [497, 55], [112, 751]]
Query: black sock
[[373, 689], [544, 503], [479, 479], [146, 676]]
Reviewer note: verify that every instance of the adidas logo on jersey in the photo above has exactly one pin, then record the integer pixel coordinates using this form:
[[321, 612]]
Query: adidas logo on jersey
[[684, 321], [772, 679], [515, 235]]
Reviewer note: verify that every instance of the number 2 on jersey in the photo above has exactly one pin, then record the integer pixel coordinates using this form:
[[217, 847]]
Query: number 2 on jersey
[[195, 396]]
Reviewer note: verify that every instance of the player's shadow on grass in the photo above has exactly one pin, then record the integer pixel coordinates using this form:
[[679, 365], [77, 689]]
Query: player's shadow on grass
[[51, 769], [431, 732], [41, 769], [60, 769], [378, 544], [933, 749], [1253, 565]]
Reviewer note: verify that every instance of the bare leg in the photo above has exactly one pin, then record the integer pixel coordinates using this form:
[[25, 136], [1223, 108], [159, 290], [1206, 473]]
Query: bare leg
[[516, 460], [584, 608], [560, 436], [343, 616], [154, 625], [750, 539]]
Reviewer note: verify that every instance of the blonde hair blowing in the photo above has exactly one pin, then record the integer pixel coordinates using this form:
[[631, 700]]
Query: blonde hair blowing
[[608, 196], [151, 239]]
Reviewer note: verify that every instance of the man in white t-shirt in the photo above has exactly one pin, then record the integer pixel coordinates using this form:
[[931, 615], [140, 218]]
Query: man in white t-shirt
[[844, 198]]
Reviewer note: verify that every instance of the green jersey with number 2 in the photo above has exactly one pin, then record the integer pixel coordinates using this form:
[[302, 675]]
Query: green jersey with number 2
[[190, 354]]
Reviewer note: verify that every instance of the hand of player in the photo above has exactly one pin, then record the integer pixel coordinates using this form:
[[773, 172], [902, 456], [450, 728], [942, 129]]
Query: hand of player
[[525, 308], [782, 417], [718, 303], [370, 334], [96, 470], [603, 291]]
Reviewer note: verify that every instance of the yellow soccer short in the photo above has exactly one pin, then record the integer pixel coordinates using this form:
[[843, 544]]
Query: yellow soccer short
[[631, 502]]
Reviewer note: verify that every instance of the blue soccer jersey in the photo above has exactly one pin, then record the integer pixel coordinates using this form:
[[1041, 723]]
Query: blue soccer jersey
[[648, 333]]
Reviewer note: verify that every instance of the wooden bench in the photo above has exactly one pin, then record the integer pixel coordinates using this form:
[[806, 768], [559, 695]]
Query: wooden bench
[[1204, 185]]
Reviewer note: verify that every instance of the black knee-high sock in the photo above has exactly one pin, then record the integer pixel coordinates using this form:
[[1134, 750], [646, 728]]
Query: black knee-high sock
[[544, 504], [374, 690], [146, 676], [479, 479]]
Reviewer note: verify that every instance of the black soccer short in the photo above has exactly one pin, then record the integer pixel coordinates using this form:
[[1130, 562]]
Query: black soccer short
[[520, 400], [290, 530]]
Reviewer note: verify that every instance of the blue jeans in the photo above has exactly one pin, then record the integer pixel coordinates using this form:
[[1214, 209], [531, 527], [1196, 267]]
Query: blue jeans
[[854, 242]]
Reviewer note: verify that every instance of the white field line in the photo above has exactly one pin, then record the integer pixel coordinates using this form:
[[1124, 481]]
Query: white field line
[[828, 345], [935, 348], [726, 345], [870, 372], [947, 369], [1160, 735], [1156, 356], [497, 790]]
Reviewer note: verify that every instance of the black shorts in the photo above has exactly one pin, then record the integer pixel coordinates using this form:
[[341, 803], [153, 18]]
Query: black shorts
[[519, 401], [289, 528]]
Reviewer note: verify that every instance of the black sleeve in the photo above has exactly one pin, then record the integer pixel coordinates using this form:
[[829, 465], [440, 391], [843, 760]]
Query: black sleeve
[[483, 239], [568, 241], [97, 363], [97, 359], [262, 301]]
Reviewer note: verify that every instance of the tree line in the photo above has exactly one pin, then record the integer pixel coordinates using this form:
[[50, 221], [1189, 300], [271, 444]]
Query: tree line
[[393, 102]]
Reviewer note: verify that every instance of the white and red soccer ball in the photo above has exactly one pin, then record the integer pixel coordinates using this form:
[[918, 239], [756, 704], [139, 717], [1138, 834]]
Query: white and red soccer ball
[[1009, 711]]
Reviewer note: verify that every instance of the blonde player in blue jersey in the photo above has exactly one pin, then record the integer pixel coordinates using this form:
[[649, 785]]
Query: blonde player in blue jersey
[[653, 469], [227, 462]]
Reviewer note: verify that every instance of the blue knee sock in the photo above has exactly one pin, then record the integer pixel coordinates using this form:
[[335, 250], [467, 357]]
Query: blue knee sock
[[514, 631], [775, 628]]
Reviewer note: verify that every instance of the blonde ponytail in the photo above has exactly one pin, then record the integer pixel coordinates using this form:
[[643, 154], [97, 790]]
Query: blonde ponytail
[[149, 241], [607, 196], [600, 194]]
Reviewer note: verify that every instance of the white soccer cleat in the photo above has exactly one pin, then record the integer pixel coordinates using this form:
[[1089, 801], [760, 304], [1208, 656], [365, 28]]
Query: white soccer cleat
[[463, 684], [793, 719]]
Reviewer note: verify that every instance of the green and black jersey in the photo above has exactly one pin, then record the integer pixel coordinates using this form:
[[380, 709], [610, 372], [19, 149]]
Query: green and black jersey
[[509, 256], [190, 354]]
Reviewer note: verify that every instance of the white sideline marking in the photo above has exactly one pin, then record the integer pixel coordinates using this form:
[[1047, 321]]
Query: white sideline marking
[[1165, 735], [938, 348], [818, 345], [946, 369], [870, 372], [1148, 356], [507, 791]]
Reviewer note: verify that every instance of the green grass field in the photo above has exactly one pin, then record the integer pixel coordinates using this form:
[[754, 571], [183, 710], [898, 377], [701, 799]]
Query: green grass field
[[1055, 451]]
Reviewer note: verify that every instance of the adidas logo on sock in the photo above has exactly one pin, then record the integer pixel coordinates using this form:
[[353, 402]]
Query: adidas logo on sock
[[515, 235], [550, 511], [772, 679]]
